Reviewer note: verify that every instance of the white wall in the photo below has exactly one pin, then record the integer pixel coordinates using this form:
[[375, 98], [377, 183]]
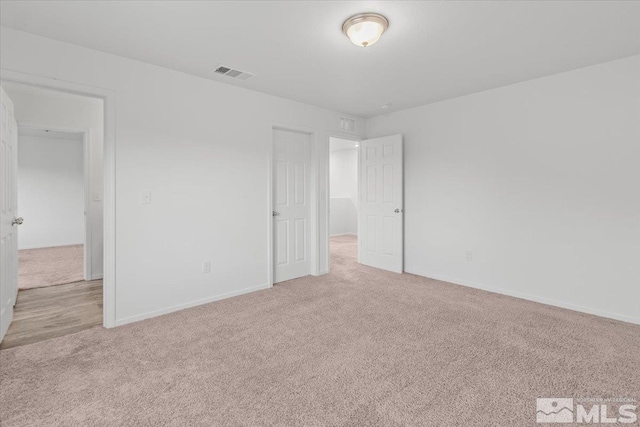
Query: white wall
[[538, 179], [50, 191], [343, 178], [541, 180], [202, 148], [56, 110]]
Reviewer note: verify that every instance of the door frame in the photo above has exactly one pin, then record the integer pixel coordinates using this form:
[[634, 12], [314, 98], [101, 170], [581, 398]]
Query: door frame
[[314, 266], [109, 162], [86, 177], [357, 140]]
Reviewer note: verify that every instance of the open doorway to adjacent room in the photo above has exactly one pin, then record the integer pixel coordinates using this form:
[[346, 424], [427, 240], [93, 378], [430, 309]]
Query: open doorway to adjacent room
[[58, 225], [52, 244], [343, 201]]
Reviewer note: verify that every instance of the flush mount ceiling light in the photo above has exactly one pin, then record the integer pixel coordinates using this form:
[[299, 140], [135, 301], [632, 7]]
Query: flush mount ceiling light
[[365, 29]]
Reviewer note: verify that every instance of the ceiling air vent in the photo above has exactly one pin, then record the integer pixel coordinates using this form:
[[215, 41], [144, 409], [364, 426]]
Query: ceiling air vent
[[233, 73], [347, 124]]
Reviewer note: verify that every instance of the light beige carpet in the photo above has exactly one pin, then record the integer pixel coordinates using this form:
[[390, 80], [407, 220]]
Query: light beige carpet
[[50, 266], [357, 347]]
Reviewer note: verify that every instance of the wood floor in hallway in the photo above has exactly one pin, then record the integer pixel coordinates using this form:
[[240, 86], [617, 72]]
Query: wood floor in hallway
[[54, 311]]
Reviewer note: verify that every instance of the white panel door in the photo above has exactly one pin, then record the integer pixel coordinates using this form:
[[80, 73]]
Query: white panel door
[[291, 204], [8, 210], [381, 222]]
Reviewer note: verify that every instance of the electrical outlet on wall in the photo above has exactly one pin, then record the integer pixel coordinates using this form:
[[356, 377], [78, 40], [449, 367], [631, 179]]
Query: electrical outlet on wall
[[469, 256], [206, 267]]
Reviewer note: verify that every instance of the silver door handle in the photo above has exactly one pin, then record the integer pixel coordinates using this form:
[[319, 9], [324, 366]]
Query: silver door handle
[[274, 213], [398, 210], [17, 221]]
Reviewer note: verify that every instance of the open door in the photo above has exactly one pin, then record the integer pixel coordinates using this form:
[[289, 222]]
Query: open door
[[8, 210], [381, 221]]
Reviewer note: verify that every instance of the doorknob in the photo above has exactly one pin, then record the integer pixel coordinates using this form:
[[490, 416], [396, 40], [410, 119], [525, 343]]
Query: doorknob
[[398, 210], [274, 213], [17, 221]]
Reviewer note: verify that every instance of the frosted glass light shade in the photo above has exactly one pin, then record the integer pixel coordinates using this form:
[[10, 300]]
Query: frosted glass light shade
[[365, 29]]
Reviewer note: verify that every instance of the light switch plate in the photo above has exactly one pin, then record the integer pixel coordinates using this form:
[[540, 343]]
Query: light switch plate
[[206, 267], [145, 197]]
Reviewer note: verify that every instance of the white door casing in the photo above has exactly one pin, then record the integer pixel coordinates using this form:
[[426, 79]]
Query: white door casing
[[291, 204], [8, 212], [381, 219], [109, 189]]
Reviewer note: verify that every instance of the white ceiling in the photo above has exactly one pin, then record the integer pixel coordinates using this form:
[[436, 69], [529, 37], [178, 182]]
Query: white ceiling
[[17, 91], [432, 50], [48, 133]]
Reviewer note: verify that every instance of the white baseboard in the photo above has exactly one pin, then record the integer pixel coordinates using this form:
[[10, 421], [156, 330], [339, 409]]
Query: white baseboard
[[96, 277], [343, 234], [150, 314], [555, 303]]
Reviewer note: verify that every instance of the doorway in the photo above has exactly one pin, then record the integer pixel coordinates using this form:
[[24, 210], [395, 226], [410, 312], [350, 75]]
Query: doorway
[[58, 225], [368, 174], [310, 217], [343, 200], [52, 248]]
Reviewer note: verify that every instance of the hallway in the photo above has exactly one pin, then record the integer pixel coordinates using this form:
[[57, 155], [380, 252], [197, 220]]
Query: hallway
[[344, 251], [58, 265], [54, 311]]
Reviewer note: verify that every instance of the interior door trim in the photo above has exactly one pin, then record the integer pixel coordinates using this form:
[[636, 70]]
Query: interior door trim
[[109, 161]]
